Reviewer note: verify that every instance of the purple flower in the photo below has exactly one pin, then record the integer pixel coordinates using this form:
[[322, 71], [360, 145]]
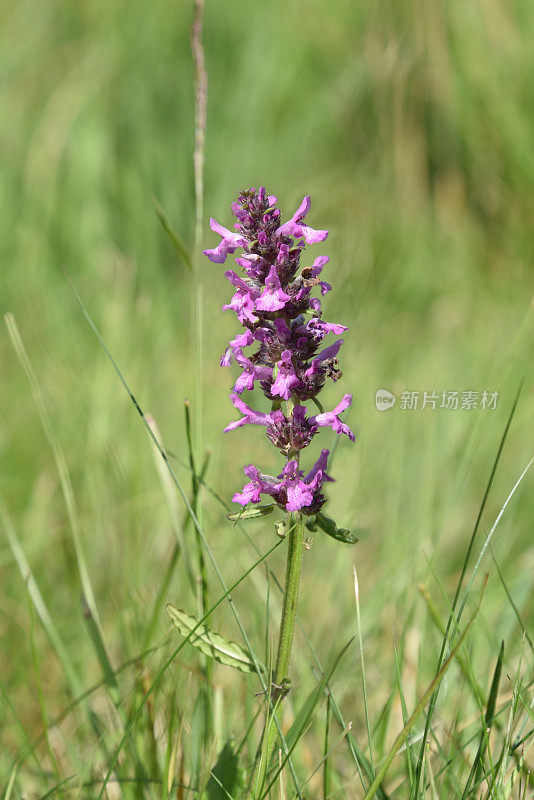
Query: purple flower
[[292, 491], [254, 265], [320, 466], [273, 297], [299, 494], [293, 228], [229, 243], [286, 378], [311, 274], [241, 340], [259, 484], [250, 417], [331, 418], [243, 304], [290, 434], [320, 329], [251, 372], [328, 354], [243, 300]]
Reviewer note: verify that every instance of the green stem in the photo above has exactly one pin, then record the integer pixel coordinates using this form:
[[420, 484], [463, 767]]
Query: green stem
[[280, 683], [291, 590]]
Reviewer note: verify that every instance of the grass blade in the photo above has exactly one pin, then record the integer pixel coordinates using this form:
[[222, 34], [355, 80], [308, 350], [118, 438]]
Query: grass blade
[[478, 764], [512, 603], [10, 783], [492, 531], [362, 661], [326, 768], [61, 464], [178, 244], [399, 741], [434, 698], [404, 711], [38, 602]]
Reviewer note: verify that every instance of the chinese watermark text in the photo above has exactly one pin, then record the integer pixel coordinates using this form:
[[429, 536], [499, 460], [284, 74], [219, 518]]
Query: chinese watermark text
[[449, 400]]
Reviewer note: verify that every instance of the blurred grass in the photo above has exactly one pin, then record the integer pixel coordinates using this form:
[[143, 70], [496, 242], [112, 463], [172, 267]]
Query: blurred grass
[[411, 125]]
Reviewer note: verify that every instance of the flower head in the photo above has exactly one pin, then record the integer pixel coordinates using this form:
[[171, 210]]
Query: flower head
[[292, 491], [274, 301]]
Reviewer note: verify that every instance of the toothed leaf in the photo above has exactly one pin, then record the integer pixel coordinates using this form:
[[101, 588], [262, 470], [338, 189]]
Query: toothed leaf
[[210, 643], [254, 512], [328, 526]]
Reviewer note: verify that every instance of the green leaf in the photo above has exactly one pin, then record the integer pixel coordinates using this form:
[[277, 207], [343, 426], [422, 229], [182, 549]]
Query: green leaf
[[179, 246], [477, 770], [227, 779], [329, 526], [254, 512], [210, 643]]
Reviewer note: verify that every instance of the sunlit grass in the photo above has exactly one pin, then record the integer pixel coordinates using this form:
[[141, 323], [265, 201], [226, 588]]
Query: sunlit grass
[[411, 126]]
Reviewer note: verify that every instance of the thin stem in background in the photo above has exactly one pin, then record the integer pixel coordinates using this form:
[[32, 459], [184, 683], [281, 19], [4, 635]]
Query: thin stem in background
[[326, 766], [201, 104]]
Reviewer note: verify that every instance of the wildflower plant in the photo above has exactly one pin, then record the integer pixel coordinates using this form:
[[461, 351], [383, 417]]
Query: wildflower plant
[[281, 318], [281, 350]]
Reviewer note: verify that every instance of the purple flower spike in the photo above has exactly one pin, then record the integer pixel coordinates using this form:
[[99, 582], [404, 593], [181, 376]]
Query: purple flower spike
[[293, 228], [229, 243], [275, 303]]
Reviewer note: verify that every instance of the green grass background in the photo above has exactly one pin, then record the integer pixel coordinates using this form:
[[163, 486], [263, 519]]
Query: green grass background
[[411, 125]]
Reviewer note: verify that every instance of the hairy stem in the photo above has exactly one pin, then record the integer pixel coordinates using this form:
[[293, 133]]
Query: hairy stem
[[291, 590], [280, 682]]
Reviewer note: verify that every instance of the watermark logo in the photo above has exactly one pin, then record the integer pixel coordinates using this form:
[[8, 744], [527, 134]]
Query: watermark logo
[[447, 399], [384, 400]]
